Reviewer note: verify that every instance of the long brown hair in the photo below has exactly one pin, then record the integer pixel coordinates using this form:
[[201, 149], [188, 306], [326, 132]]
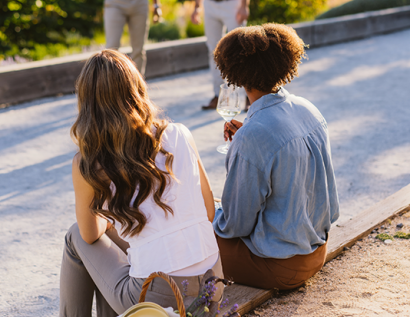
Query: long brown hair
[[119, 135]]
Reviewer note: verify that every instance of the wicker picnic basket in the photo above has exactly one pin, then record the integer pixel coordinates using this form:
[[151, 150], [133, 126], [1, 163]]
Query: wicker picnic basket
[[143, 308]]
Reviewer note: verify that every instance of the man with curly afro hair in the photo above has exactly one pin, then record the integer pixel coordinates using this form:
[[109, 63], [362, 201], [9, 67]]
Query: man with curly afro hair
[[280, 197]]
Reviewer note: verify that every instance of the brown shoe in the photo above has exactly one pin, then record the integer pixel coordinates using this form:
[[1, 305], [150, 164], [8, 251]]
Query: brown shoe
[[212, 104]]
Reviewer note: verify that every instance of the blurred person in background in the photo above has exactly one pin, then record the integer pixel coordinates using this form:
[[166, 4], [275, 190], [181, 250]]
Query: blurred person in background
[[117, 13], [220, 16]]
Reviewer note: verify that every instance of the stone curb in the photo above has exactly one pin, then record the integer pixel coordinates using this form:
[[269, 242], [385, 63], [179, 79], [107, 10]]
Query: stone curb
[[353, 27], [24, 82]]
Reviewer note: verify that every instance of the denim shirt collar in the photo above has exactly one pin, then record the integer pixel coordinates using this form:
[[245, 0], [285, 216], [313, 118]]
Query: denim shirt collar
[[268, 100]]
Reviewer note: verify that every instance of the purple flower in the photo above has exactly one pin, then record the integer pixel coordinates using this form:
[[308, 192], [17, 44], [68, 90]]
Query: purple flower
[[185, 284], [207, 293], [225, 303], [231, 311]]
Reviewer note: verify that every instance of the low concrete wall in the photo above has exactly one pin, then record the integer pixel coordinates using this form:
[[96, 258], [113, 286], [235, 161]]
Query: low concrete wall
[[353, 27], [19, 83], [176, 56], [23, 82]]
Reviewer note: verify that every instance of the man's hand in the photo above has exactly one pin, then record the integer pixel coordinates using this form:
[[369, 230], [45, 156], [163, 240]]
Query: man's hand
[[195, 18], [157, 14], [242, 14], [230, 129]]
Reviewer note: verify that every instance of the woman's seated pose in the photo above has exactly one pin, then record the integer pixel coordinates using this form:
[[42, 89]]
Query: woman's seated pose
[[140, 177], [280, 196]]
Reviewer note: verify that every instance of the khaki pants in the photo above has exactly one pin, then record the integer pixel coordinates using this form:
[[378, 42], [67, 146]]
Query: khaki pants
[[103, 268], [243, 267], [219, 18], [135, 13]]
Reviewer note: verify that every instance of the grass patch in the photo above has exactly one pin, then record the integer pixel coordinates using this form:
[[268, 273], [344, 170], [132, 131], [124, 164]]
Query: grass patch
[[402, 235], [384, 236]]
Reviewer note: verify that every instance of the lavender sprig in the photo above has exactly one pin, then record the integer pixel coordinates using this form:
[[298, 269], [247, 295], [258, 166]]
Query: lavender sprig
[[207, 294], [231, 311], [185, 284], [225, 303], [201, 304]]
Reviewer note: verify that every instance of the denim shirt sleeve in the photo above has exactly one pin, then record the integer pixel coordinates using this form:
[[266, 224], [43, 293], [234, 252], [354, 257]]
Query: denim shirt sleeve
[[243, 196]]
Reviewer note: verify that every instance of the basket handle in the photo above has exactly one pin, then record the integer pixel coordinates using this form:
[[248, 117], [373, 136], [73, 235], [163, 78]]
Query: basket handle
[[174, 287]]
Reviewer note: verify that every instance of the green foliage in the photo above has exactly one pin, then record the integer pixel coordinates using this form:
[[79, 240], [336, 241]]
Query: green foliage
[[384, 236], [164, 31], [74, 44], [402, 235], [38, 25], [194, 30], [169, 12], [283, 11], [359, 6]]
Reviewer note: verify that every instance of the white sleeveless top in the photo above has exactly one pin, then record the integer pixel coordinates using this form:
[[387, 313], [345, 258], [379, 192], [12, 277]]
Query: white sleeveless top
[[182, 243]]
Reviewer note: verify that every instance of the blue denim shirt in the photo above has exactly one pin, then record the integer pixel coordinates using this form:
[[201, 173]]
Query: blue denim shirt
[[280, 192]]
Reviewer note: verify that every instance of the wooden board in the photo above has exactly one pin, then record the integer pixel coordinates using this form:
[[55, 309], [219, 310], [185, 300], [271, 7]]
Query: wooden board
[[246, 297], [344, 235]]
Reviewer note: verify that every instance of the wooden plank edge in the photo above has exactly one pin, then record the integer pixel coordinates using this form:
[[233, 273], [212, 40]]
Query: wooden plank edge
[[254, 297], [390, 207], [335, 252], [255, 302], [260, 295]]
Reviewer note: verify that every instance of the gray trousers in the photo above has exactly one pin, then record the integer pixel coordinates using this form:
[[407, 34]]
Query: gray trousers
[[135, 13], [219, 18], [102, 268]]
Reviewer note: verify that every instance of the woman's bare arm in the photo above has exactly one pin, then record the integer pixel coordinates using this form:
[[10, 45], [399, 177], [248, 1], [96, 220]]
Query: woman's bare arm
[[205, 184], [92, 227]]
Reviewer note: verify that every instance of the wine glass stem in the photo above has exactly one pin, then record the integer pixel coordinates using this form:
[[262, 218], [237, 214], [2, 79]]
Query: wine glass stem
[[227, 144]]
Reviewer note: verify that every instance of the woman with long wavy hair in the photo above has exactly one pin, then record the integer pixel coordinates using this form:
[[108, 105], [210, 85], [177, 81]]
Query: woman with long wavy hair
[[142, 197]]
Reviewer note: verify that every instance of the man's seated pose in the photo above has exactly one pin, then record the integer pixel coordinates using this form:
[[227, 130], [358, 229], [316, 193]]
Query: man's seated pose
[[280, 195]]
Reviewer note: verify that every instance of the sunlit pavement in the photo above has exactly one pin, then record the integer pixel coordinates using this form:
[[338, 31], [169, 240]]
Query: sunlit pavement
[[362, 88]]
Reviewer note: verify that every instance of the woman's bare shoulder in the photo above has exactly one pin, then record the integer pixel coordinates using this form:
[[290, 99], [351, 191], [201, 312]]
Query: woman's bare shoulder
[[76, 167], [76, 162], [77, 158]]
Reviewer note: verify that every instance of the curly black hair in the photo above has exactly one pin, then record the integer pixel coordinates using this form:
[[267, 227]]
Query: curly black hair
[[262, 57]]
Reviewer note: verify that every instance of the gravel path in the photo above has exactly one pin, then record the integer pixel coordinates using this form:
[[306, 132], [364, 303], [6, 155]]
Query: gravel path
[[369, 280], [362, 88]]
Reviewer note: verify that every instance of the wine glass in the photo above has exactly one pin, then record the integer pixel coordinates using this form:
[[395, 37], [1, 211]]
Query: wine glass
[[228, 108]]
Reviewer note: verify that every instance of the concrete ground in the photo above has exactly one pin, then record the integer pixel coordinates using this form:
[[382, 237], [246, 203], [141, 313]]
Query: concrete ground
[[362, 88]]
